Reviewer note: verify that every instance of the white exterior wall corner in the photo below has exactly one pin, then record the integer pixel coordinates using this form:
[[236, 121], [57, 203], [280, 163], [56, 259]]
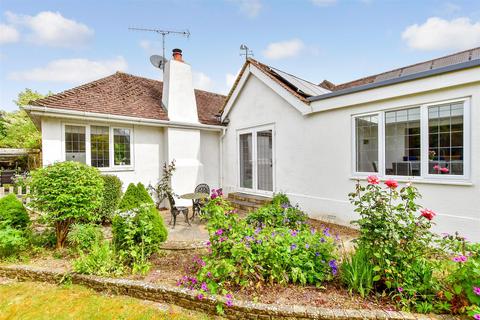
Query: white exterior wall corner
[[313, 155]]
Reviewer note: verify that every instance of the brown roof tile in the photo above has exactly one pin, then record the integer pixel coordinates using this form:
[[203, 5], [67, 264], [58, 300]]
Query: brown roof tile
[[124, 94]]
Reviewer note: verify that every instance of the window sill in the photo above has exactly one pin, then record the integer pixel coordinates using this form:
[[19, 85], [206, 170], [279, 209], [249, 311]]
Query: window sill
[[116, 169], [421, 181]]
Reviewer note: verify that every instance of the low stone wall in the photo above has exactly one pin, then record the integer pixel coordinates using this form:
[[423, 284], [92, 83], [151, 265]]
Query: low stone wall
[[188, 299]]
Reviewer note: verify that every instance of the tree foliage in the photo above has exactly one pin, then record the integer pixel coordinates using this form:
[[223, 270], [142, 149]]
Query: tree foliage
[[112, 193], [66, 192], [16, 128], [13, 213]]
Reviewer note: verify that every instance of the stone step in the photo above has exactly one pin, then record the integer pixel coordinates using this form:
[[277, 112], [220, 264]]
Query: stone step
[[244, 197]]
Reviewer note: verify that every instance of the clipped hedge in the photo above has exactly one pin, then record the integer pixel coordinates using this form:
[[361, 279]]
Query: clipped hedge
[[13, 213], [112, 194]]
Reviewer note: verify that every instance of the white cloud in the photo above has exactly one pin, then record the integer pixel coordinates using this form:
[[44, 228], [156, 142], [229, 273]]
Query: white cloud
[[8, 34], [249, 7], [202, 81], [52, 29], [324, 3], [284, 49], [230, 80], [439, 34], [72, 70]]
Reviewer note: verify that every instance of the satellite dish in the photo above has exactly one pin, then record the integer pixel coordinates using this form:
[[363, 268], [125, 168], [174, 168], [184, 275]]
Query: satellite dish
[[157, 61]]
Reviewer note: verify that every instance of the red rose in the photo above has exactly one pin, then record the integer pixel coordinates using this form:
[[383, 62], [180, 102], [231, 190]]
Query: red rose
[[427, 213], [392, 184], [373, 180]]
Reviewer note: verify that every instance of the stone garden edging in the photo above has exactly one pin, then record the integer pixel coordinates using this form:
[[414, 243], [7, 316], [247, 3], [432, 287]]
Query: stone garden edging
[[188, 299]]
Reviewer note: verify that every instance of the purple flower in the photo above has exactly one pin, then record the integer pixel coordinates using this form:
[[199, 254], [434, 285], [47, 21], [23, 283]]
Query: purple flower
[[273, 234], [200, 296], [293, 247], [312, 231], [204, 286], [333, 265], [326, 232], [208, 243], [229, 296], [219, 232], [476, 290], [400, 289], [317, 254], [307, 246], [257, 231], [294, 233], [209, 274], [476, 316], [285, 205], [460, 259], [229, 303], [322, 240]]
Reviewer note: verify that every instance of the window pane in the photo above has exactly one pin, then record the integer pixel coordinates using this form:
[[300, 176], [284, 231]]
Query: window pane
[[445, 139], [402, 142], [121, 147], [246, 161], [366, 144], [75, 143], [99, 142]]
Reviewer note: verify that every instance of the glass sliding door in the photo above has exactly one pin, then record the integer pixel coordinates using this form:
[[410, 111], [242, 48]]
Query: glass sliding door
[[256, 160], [264, 160], [246, 161]]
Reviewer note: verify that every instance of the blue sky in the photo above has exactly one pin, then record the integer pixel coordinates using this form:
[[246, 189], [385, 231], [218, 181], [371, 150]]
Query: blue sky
[[55, 45]]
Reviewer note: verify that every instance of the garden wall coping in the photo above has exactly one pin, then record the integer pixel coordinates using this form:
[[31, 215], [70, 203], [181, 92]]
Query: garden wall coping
[[188, 299]]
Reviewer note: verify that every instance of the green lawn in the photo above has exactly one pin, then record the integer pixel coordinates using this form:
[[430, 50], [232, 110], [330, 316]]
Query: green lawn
[[31, 300]]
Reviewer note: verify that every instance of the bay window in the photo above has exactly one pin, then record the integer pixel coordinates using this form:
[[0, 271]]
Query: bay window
[[426, 141], [100, 146]]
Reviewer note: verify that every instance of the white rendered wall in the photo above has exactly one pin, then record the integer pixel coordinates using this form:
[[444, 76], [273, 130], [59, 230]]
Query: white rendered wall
[[313, 155], [210, 158], [51, 141]]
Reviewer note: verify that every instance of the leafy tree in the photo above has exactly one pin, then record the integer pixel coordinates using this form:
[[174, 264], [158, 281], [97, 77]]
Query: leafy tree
[[16, 128], [66, 192]]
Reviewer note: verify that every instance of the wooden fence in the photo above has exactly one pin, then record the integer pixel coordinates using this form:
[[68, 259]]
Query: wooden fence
[[21, 193]]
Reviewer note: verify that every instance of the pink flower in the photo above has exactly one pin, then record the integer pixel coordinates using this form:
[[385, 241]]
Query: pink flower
[[392, 184], [219, 232], [373, 179], [444, 170], [460, 259], [400, 289], [476, 316], [200, 296], [427, 213], [436, 167], [476, 290]]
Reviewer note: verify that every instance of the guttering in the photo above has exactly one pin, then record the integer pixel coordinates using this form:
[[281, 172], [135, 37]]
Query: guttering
[[80, 115], [410, 77]]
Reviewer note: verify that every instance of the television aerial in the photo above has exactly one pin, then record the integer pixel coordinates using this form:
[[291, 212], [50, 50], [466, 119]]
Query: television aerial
[[164, 33], [247, 52]]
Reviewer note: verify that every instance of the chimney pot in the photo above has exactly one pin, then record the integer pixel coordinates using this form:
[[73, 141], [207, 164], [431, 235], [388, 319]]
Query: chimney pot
[[177, 55]]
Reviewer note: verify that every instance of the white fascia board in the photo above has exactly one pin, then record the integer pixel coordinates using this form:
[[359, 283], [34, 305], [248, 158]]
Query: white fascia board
[[302, 107], [91, 116], [402, 89]]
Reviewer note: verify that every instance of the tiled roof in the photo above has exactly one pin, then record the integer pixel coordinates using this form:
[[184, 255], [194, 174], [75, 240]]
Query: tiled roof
[[124, 94], [433, 64]]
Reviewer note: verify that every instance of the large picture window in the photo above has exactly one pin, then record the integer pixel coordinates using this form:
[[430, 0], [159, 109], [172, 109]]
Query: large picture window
[[99, 146], [99, 142], [427, 141]]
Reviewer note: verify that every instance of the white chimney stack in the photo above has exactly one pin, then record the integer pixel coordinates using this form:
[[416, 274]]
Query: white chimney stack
[[178, 94]]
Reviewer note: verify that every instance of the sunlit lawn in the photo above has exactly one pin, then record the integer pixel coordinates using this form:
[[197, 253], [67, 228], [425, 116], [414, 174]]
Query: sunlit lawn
[[31, 300]]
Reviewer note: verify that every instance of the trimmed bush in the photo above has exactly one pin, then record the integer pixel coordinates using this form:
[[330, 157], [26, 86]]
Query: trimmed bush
[[143, 194], [112, 194], [13, 213], [84, 236], [12, 242], [66, 192], [134, 197]]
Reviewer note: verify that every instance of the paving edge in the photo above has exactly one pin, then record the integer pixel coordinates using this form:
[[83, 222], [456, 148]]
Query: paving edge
[[188, 299]]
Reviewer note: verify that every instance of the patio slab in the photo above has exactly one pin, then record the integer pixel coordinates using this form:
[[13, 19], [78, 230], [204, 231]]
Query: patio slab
[[183, 236]]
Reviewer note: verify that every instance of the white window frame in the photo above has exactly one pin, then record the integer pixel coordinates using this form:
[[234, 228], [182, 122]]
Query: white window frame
[[88, 149], [425, 175]]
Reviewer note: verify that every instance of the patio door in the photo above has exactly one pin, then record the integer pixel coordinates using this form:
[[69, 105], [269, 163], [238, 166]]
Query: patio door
[[256, 160]]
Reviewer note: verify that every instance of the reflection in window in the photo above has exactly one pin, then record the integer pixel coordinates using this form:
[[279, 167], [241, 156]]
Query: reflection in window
[[99, 142], [445, 139], [402, 142], [246, 161], [366, 129], [75, 144], [121, 147]]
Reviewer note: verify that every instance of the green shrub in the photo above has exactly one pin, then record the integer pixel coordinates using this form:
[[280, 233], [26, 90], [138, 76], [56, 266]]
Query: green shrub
[[137, 233], [277, 214], [357, 272], [112, 194], [13, 213], [244, 252], [134, 197], [143, 194], [66, 192], [12, 242], [84, 236], [100, 261], [43, 239]]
